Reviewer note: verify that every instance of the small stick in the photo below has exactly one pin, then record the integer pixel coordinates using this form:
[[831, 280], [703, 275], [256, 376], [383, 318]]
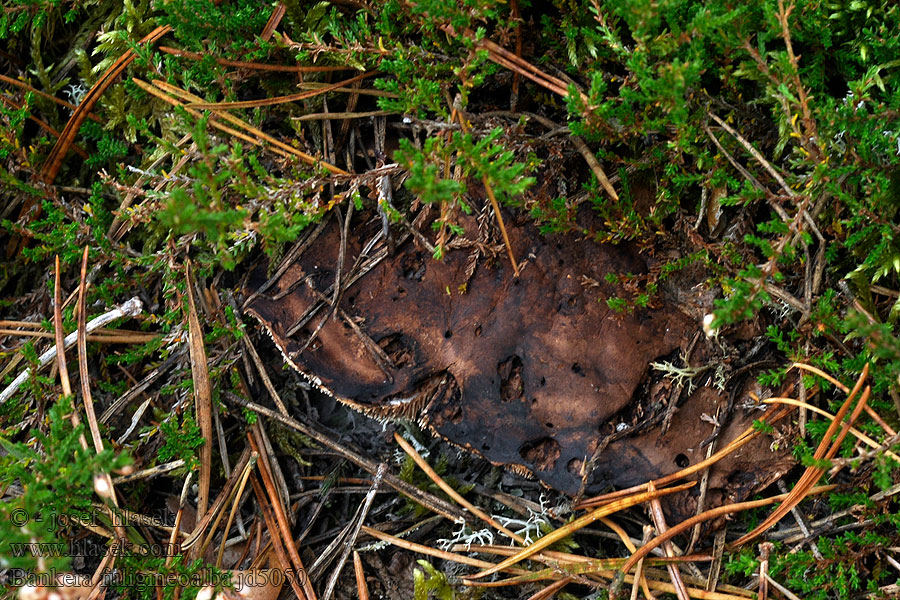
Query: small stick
[[279, 528], [351, 540], [129, 308], [764, 549], [659, 520], [639, 579], [715, 567]]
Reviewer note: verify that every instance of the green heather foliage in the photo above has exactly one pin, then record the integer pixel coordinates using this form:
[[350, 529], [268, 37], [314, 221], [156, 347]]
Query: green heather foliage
[[56, 475], [806, 188]]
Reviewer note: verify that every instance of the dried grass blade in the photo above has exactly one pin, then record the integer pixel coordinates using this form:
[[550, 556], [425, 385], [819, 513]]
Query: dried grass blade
[[315, 85], [245, 476], [550, 590], [423, 464], [566, 559], [57, 154], [188, 97], [428, 550], [61, 347], [203, 524], [640, 579], [202, 394], [599, 567], [350, 540], [583, 521], [822, 374], [103, 485], [283, 526], [515, 68], [276, 539], [663, 586], [707, 515], [256, 66], [743, 439], [217, 106], [869, 410], [504, 57], [825, 450], [542, 575], [273, 22], [83, 372], [218, 125], [179, 516], [853, 430], [653, 584]]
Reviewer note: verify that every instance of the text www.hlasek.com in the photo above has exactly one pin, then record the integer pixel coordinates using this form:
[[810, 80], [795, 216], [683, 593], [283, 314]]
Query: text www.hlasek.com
[[85, 550]]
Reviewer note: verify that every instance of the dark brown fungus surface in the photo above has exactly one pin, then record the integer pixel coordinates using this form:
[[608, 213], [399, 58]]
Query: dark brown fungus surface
[[532, 373]]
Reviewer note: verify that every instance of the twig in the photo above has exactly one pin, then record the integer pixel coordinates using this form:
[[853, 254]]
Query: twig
[[715, 567], [129, 308], [428, 500], [801, 523], [764, 549], [282, 530], [351, 539], [659, 521], [461, 119]]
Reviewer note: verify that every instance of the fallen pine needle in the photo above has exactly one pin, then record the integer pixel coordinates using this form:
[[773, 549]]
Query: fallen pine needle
[[563, 532]]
